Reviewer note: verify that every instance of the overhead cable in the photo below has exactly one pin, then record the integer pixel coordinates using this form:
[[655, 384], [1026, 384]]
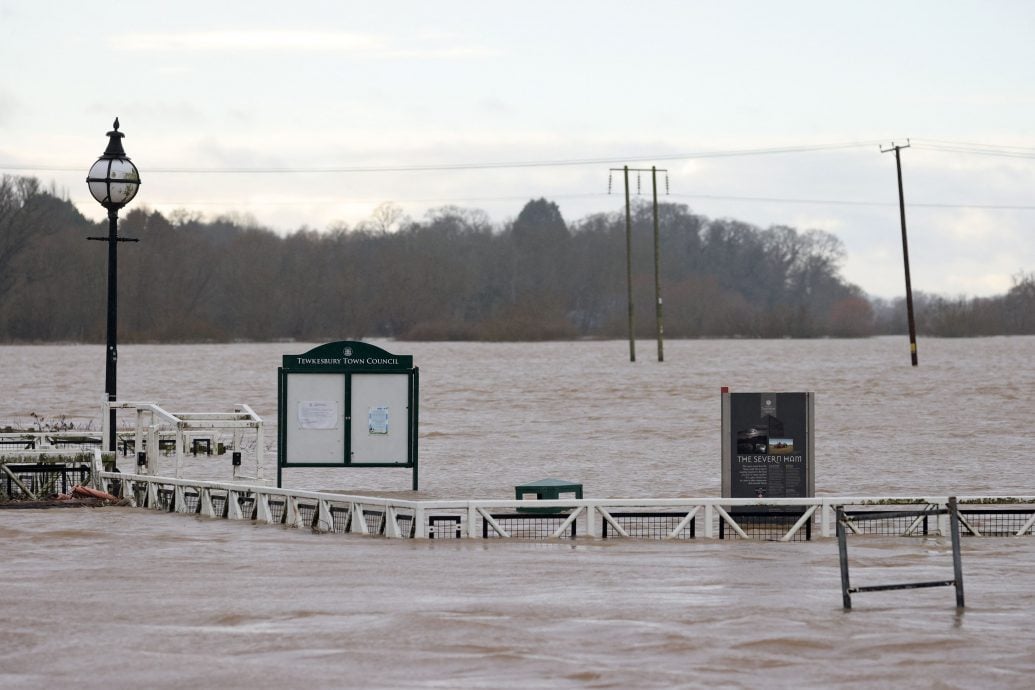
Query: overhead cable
[[442, 167]]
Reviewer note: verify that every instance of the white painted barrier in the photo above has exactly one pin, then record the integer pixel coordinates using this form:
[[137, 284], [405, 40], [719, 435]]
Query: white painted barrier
[[486, 517], [154, 423]]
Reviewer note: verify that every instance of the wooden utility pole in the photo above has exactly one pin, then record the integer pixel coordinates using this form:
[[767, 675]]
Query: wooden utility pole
[[629, 265], [657, 261], [905, 249], [657, 272]]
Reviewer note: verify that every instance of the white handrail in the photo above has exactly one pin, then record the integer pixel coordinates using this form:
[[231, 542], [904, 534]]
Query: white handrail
[[183, 425], [685, 509]]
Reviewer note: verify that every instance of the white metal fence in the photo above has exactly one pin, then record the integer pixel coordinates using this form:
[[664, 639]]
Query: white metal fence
[[784, 519], [156, 433], [155, 426]]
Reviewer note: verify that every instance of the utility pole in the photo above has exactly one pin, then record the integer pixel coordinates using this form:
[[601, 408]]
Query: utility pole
[[657, 272], [905, 248], [628, 256]]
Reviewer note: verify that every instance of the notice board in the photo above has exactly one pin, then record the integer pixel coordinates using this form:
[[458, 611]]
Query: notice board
[[767, 445], [347, 404]]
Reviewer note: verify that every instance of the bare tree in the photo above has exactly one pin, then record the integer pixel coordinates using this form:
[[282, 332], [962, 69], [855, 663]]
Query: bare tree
[[24, 218], [386, 216]]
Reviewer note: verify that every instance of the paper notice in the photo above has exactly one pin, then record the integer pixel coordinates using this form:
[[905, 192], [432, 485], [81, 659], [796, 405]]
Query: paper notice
[[377, 420], [318, 414]]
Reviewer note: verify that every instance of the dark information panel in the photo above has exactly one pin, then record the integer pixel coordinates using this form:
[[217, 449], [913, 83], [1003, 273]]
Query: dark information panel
[[769, 445]]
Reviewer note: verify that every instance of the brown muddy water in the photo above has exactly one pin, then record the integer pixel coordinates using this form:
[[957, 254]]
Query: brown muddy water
[[117, 597]]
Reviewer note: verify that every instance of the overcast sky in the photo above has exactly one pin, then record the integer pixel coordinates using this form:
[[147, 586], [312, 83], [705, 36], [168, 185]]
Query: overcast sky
[[303, 113]]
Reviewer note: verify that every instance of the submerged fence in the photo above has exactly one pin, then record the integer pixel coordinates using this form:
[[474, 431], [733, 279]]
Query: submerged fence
[[788, 519], [32, 471]]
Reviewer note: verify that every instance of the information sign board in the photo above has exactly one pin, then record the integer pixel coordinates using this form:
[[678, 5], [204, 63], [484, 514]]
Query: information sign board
[[767, 445], [347, 404]]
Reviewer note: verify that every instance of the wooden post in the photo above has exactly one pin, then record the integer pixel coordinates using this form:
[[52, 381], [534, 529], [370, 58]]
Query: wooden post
[[657, 275], [628, 265], [905, 252]]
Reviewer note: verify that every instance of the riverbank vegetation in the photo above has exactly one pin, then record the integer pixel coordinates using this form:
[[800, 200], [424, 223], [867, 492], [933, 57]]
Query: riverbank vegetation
[[452, 275]]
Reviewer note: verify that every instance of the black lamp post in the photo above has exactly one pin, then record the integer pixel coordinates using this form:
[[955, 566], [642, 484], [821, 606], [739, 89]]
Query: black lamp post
[[113, 182]]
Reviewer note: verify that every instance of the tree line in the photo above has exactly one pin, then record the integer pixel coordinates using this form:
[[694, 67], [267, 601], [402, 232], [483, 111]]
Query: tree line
[[453, 275]]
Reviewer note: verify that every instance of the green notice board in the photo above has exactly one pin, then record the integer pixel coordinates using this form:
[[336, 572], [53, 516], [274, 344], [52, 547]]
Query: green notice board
[[347, 404]]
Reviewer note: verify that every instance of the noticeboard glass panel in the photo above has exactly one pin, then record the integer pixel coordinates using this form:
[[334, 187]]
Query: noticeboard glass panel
[[315, 417], [379, 408]]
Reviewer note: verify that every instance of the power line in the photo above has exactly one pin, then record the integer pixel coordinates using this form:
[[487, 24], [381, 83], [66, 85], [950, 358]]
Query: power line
[[444, 167], [980, 145], [926, 144], [586, 195], [851, 202], [343, 200], [974, 148]]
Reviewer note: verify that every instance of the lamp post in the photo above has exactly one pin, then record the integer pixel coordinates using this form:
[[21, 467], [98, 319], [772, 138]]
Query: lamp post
[[113, 182]]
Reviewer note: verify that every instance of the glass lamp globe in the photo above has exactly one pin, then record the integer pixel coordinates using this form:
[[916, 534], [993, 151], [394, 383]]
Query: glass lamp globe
[[113, 179]]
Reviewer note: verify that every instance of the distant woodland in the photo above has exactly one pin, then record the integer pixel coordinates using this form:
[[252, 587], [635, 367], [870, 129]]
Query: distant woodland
[[453, 275]]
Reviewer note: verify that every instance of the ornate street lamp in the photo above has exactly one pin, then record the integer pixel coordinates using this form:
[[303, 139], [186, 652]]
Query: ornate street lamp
[[113, 182]]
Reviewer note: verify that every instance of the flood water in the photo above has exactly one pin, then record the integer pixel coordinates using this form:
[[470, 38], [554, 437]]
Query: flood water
[[118, 597]]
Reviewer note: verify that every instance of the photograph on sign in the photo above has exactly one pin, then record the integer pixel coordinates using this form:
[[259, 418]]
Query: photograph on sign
[[752, 440], [377, 420], [317, 414]]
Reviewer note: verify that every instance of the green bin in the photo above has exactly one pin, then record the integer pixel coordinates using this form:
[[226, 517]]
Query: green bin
[[547, 489]]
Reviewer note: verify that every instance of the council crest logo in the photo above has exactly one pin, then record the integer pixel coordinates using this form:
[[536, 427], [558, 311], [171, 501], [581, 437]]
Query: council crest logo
[[347, 352]]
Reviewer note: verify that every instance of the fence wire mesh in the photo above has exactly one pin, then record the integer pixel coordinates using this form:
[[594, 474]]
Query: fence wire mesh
[[42, 480], [445, 527], [528, 525], [649, 525], [893, 522], [1004, 522], [766, 526]]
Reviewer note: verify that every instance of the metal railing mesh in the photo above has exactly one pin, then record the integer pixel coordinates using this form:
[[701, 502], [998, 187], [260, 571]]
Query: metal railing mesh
[[340, 518], [528, 525], [892, 522], [649, 525], [1004, 522], [765, 526], [445, 527], [43, 480]]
